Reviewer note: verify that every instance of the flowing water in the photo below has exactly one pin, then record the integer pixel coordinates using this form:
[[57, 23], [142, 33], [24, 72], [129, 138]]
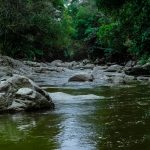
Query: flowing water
[[120, 120]]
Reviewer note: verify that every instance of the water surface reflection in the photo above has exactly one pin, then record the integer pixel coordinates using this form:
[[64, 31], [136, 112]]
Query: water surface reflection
[[120, 120]]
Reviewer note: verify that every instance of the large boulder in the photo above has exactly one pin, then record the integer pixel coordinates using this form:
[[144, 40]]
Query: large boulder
[[82, 77], [19, 93]]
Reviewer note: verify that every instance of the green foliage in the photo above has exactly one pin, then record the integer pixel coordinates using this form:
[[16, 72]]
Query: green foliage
[[50, 29], [106, 32], [132, 33], [85, 18], [32, 28], [144, 59]]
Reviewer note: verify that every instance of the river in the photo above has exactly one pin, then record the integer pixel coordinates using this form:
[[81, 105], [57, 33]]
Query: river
[[119, 120]]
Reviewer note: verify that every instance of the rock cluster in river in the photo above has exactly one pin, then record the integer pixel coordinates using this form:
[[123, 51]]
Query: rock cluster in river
[[83, 73]]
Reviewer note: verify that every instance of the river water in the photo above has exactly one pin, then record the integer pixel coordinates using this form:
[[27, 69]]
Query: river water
[[119, 120]]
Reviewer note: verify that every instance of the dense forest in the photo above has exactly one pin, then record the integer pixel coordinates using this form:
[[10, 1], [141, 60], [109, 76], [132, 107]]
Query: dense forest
[[44, 30]]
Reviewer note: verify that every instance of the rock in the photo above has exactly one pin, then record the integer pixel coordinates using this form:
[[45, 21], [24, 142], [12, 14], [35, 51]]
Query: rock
[[115, 79], [129, 79], [138, 70], [111, 64], [98, 70], [5, 71], [86, 61], [72, 64], [130, 63], [19, 93], [32, 64], [67, 65], [88, 66], [99, 61], [9, 66], [63, 97], [48, 69], [81, 78], [24, 91], [114, 68], [59, 63], [56, 63], [146, 67]]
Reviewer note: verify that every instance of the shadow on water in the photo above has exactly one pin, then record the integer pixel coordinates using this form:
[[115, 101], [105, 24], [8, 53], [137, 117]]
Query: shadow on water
[[118, 121]]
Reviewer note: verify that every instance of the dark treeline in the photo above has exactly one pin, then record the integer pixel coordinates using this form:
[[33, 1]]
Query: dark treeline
[[116, 30]]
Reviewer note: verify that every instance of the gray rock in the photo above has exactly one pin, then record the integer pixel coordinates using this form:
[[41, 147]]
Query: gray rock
[[130, 63], [9, 66], [86, 61], [63, 97], [48, 69], [98, 71], [128, 79], [114, 68], [59, 63], [138, 70], [32, 64], [81, 67], [99, 61], [24, 91], [115, 78], [146, 66], [81, 78], [89, 66], [56, 63], [19, 93]]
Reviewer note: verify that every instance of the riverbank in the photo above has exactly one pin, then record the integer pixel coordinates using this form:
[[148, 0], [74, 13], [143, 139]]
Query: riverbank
[[75, 74]]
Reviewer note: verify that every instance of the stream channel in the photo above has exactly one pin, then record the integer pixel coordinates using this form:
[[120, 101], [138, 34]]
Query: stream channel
[[118, 120]]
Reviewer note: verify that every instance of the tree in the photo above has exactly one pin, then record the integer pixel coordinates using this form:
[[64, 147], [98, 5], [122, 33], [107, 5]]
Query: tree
[[133, 26], [31, 28]]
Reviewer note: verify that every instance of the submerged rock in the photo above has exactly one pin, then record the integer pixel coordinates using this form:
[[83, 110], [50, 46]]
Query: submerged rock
[[19, 93], [64, 97]]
